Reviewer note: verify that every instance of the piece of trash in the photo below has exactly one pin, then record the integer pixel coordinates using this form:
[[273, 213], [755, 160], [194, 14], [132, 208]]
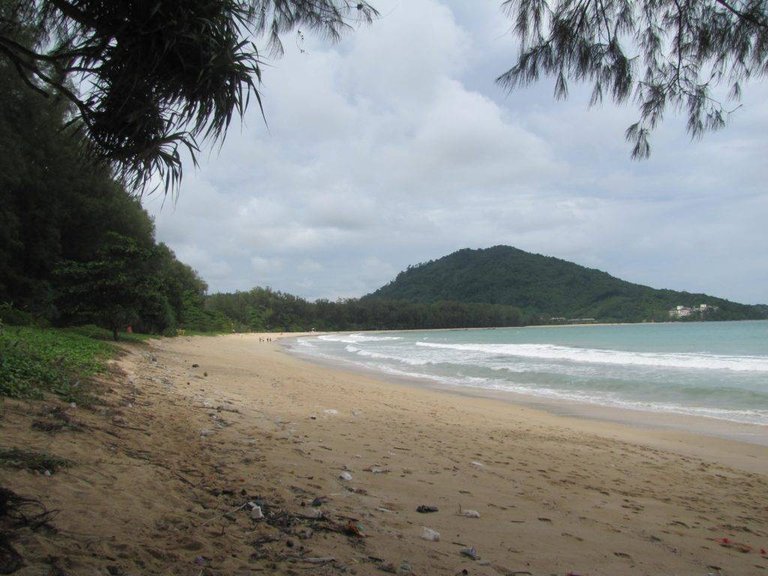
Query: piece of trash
[[205, 432], [470, 513], [728, 543], [353, 529], [256, 512], [424, 509], [470, 553], [331, 411], [430, 535], [376, 470], [345, 476], [73, 404], [477, 464]]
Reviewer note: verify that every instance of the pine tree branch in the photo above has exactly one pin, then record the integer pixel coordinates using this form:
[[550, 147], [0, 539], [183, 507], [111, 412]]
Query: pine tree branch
[[744, 16]]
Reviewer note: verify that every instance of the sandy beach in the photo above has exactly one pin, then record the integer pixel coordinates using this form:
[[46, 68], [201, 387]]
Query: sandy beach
[[226, 455]]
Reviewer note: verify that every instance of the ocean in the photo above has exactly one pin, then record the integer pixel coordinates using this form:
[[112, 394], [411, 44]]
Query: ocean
[[716, 370]]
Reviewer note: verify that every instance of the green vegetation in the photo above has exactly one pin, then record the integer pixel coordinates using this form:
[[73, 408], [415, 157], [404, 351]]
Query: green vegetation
[[262, 309], [545, 288], [35, 361], [153, 77], [75, 246], [29, 460], [95, 333]]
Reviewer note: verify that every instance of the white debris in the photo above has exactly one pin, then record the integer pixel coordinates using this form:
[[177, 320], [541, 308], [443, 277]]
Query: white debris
[[429, 534], [470, 513], [256, 511], [345, 476]]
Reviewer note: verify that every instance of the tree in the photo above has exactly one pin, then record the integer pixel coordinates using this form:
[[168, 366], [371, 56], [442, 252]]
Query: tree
[[679, 54], [146, 78], [112, 289]]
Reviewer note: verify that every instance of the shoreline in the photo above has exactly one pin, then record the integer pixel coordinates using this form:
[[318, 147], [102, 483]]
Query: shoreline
[[637, 418], [736, 444], [198, 430]]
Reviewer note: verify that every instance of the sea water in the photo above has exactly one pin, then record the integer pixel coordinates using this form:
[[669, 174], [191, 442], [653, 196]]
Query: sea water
[[711, 369]]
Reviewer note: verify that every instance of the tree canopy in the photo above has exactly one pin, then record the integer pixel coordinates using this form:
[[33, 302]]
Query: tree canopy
[[690, 55], [75, 246], [145, 79]]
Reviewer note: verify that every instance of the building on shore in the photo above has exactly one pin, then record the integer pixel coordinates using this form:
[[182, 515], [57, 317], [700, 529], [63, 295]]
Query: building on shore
[[699, 311]]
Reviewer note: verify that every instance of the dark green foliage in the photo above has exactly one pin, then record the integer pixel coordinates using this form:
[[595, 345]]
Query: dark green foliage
[[110, 290], [263, 309], [155, 76], [13, 316], [30, 460], [34, 361], [661, 53], [544, 288], [68, 215], [93, 332], [125, 284]]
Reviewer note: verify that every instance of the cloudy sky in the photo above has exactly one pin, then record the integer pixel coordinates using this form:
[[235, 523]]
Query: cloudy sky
[[396, 147]]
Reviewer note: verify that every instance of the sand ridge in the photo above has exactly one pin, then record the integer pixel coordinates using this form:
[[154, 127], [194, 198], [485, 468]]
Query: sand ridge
[[198, 431]]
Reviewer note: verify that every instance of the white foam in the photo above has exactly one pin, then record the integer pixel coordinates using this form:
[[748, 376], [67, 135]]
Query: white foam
[[613, 357], [568, 373], [356, 338]]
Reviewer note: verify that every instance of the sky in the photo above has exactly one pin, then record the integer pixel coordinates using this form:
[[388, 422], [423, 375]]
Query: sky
[[395, 146]]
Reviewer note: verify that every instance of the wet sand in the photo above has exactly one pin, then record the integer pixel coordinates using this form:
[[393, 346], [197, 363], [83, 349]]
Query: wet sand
[[167, 475]]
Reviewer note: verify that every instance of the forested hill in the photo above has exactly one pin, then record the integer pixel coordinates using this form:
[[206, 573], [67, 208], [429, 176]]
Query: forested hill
[[547, 287]]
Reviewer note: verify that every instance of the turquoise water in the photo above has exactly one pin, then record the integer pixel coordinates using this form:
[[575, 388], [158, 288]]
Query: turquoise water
[[711, 369]]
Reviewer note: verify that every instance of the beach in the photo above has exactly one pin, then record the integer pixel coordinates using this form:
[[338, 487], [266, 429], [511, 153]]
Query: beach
[[226, 455]]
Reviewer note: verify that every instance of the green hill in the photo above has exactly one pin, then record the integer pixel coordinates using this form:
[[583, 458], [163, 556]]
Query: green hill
[[545, 287]]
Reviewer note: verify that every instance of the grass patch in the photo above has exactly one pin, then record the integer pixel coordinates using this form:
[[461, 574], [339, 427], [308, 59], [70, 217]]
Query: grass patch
[[29, 460], [96, 333], [34, 361]]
